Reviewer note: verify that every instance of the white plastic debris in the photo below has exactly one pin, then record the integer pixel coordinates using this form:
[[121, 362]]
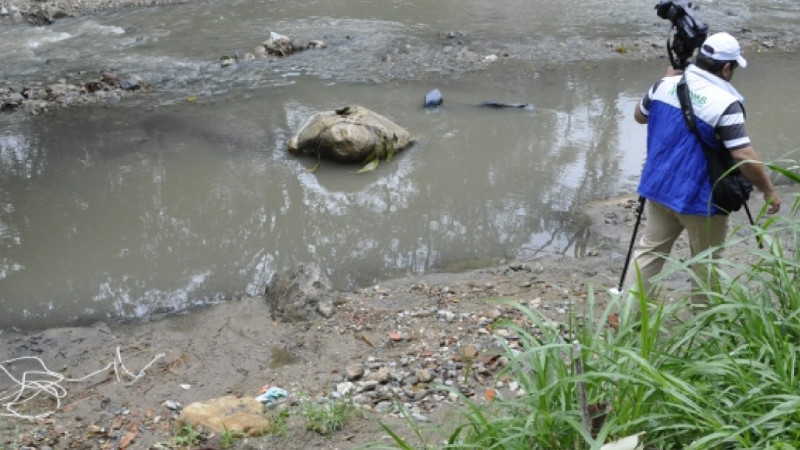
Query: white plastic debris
[[633, 442]]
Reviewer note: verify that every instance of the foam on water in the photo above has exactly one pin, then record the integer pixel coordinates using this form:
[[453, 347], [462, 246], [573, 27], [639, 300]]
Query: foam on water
[[45, 36]]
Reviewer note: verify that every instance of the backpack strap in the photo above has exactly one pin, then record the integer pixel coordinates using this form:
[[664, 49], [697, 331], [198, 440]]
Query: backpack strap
[[686, 105], [719, 162], [691, 122]]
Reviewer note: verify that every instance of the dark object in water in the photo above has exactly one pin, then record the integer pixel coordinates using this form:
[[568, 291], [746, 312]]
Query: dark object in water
[[433, 98], [498, 105]]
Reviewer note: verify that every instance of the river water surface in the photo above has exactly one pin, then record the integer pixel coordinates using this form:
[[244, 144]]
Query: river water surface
[[187, 196]]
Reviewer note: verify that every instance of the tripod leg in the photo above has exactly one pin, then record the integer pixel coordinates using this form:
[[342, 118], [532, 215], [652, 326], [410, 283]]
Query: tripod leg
[[750, 217], [639, 210]]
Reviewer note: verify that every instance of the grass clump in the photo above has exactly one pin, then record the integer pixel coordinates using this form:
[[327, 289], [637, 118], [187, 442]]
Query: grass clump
[[326, 417], [724, 376], [278, 419], [187, 437], [228, 437]]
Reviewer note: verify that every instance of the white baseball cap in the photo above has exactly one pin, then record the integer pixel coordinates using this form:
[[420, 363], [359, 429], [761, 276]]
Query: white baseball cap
[[723, 47]]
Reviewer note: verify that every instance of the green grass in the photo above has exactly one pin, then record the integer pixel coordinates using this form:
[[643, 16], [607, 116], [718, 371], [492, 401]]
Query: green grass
[[187, 436], [725, 376], [228, 437], [326, 417], [278, 419]]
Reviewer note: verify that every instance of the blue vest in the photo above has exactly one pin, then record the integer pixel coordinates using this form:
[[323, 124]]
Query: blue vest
[[676, 172]]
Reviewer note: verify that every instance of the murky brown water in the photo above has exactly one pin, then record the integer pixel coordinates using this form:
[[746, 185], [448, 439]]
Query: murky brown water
[[161, 204]]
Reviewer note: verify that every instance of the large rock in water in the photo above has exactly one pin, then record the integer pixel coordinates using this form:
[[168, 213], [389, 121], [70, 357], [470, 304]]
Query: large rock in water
[[300, 294], [349, 134]]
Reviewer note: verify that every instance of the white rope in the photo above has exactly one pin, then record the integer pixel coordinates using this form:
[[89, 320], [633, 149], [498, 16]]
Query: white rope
[[34, 383]]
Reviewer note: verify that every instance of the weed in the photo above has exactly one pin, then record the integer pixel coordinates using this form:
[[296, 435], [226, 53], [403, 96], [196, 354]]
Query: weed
[[227, 437], [328, 416], [468, 364], [278, 420], [187, 436]]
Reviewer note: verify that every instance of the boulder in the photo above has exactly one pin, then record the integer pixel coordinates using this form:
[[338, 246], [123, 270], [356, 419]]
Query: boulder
[[351, 134], [300, 294], [227, 413]]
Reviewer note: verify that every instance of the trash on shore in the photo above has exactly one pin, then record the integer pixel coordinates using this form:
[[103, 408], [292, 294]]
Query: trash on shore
[[271, 395]]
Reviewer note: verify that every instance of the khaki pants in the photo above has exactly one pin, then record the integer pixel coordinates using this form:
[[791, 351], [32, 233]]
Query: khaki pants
[[663, 228]]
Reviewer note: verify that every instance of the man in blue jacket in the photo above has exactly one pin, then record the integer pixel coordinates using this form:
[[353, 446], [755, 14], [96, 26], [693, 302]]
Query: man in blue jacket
[[675, 179]]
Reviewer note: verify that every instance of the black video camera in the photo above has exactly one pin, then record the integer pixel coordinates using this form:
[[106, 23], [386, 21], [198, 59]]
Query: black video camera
[[690, 31]]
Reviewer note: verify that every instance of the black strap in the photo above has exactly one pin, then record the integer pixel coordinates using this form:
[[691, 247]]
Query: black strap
[[718, 162], [714, 158], [686, 108]]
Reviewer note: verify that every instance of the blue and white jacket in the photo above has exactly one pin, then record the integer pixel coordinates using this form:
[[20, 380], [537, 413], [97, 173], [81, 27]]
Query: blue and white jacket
[[676, 172]]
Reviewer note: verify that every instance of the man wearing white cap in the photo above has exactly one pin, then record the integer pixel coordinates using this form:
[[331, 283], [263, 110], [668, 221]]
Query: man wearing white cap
[[675, 178]]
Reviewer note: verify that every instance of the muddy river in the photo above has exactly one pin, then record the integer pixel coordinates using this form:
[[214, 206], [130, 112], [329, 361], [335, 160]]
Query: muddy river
[[187, 196]]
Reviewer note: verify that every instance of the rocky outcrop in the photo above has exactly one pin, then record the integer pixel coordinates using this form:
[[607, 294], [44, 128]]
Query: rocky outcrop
[[39, 97], [277, 45], [350, 134]]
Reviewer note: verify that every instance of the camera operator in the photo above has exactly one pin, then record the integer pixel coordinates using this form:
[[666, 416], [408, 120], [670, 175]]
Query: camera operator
[[675, 178]]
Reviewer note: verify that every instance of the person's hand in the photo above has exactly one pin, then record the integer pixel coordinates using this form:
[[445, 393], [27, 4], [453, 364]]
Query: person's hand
[[773, 200]]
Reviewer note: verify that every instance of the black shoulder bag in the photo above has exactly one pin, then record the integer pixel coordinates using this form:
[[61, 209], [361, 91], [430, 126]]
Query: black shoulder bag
[[729, 191]]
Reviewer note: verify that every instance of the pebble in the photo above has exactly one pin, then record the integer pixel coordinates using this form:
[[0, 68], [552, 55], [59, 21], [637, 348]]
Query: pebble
[[344, 388], [382, 375], [173, 405], [354, 371], [424, 375], [446, 315], [368, 385], [384, 406]]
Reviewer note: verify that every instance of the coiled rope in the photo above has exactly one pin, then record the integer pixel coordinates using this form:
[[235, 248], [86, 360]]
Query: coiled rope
[[45, 382]]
